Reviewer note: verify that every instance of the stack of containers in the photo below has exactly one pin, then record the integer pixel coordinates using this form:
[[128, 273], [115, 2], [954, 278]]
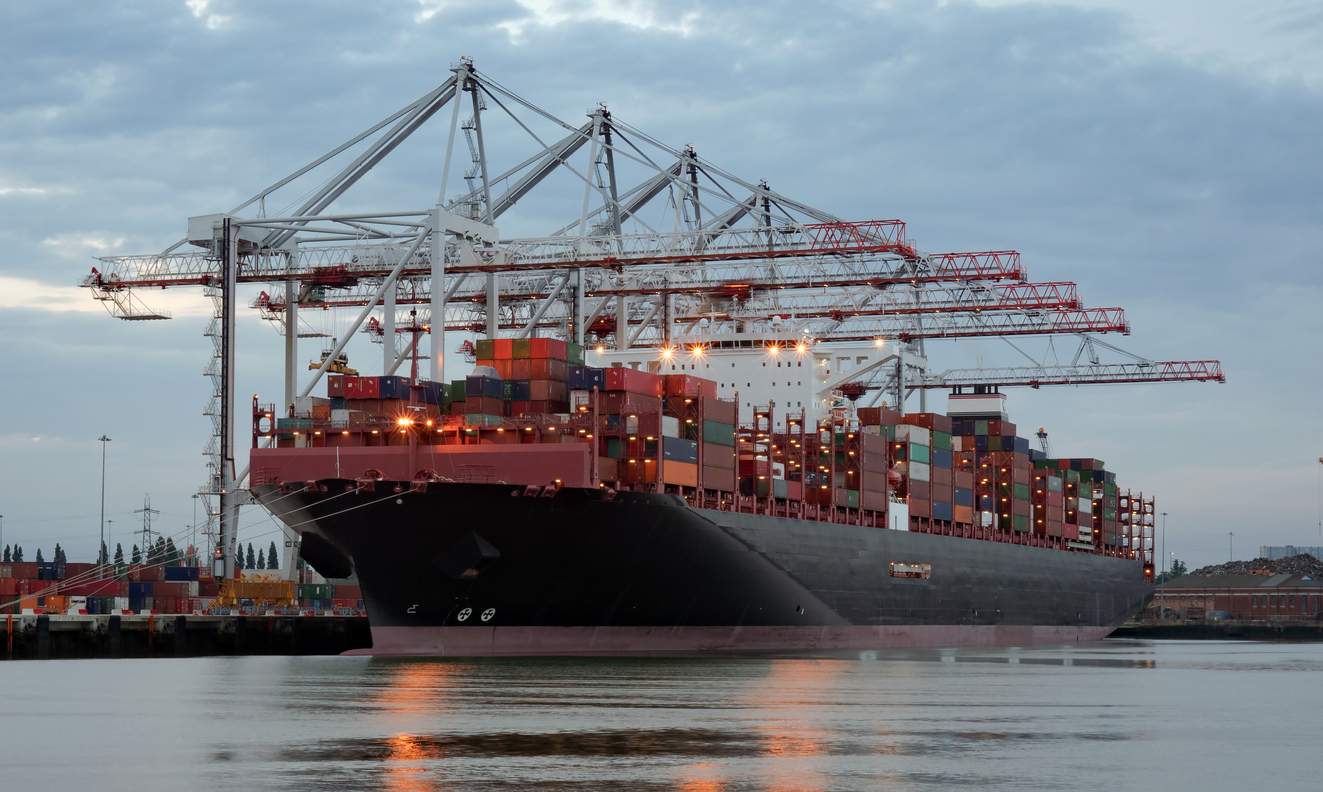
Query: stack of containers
[[941, 463], [913, 452], [535, 373], [1049, 501], [999, 470], [878, 425], [713, 425], [683, 411], [629, 415]]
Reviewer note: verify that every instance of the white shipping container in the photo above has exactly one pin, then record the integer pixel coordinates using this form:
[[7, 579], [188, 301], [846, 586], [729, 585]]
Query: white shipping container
[[670, 426], [918, 435], [121, 603], [920, 472], [340, 419], [956, 441], [898, 516]]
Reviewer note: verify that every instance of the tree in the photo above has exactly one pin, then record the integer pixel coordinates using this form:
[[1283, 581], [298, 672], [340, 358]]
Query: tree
[[136, 556], [40, 560], [18, 554], [238, 557], [119, 554], [157, 554], [251, 561], [272, 562], [103, 557], [8, 558], [59, 555], [171, 554], [261, 560]]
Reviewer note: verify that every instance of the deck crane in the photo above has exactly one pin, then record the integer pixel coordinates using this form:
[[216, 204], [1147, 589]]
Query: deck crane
[[664, 242], [1042, 441]]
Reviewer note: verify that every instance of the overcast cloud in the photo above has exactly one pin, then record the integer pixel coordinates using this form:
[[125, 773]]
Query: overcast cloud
[[1162, 156]]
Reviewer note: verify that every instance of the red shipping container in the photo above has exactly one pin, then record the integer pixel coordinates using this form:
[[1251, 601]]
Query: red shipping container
[[518, 408], [548, 369], [633, 381], [370, 387], [353, 387], [486, 362], [1070, 532], [963, 479], [549, 349], [521, 369], [335, 385], [8, 587], [23, 570], [718, 479], [920, 489], [963, 514], [719, 411], [752, 468], [934, 421], [920, 507], [941, 477], [503, 349], [349, 592], [690, 387], [504, 368], [208, 588]]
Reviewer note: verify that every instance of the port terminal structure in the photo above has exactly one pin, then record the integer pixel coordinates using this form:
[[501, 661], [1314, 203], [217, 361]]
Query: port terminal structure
[[668, 253]]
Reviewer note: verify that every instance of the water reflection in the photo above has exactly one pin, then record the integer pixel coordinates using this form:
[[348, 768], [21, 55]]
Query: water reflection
[[1069, 718]]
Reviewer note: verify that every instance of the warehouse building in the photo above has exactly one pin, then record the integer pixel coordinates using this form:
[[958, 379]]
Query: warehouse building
[[1243, 597]]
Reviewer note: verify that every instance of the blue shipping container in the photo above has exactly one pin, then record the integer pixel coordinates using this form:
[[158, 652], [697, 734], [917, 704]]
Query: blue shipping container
[[941, 458], [521, 390], [586, 378], [339, 403], [942, 511], [140, 590], [393, 387], [136, 604], [964, 497], [181, 574], [1021, 445], [490, 387], [677, 449]]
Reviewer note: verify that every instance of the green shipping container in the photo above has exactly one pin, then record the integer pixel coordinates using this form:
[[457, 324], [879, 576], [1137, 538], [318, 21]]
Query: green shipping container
[[507, 387], [574, 355], [942, 440], [1071, 476], [779, 489], [311, 591], [457, 391], [1110, 489], [719, 434], [521, 348], [615, 447], [1021, 492], [981, 428], [1086, 491], [994, 443], [918, 453], [1109, 514], [1021, 522], [486, 349]]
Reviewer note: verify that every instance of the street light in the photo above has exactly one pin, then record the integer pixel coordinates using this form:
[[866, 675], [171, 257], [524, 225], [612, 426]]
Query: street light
[[1231, 546], [101, 559], [193, 536], [1162, 597]]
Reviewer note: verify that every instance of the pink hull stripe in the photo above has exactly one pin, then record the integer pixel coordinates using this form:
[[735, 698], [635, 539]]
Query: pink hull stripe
[[501, 641]]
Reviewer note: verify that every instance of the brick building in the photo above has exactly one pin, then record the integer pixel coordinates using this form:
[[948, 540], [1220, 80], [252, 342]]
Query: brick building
[[1244, 597]]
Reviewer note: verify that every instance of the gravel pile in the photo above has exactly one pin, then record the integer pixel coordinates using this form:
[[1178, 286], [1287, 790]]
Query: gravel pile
[[1303, 564]]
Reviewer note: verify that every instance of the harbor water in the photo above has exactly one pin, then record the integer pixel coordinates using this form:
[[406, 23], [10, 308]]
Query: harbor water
[[1115, 715]]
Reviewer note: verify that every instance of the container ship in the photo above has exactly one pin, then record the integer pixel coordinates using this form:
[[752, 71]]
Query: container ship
[[699, 499]]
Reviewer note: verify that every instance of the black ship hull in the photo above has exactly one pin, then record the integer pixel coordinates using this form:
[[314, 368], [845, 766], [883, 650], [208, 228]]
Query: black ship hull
[[492, 569]]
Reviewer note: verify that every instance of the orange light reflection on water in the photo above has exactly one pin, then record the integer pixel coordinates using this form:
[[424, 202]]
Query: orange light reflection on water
[[411, 689]]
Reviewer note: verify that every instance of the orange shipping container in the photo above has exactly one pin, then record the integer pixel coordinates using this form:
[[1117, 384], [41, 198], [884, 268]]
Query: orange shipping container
[[683, 474]]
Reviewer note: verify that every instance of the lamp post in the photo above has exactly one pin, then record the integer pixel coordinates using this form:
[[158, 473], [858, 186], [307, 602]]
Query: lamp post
[[1162, 597], [193, 535], [1231, 546], [101, 566]]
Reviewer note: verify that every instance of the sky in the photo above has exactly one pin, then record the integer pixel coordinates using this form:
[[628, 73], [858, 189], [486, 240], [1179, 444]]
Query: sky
[[1161, 155]]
